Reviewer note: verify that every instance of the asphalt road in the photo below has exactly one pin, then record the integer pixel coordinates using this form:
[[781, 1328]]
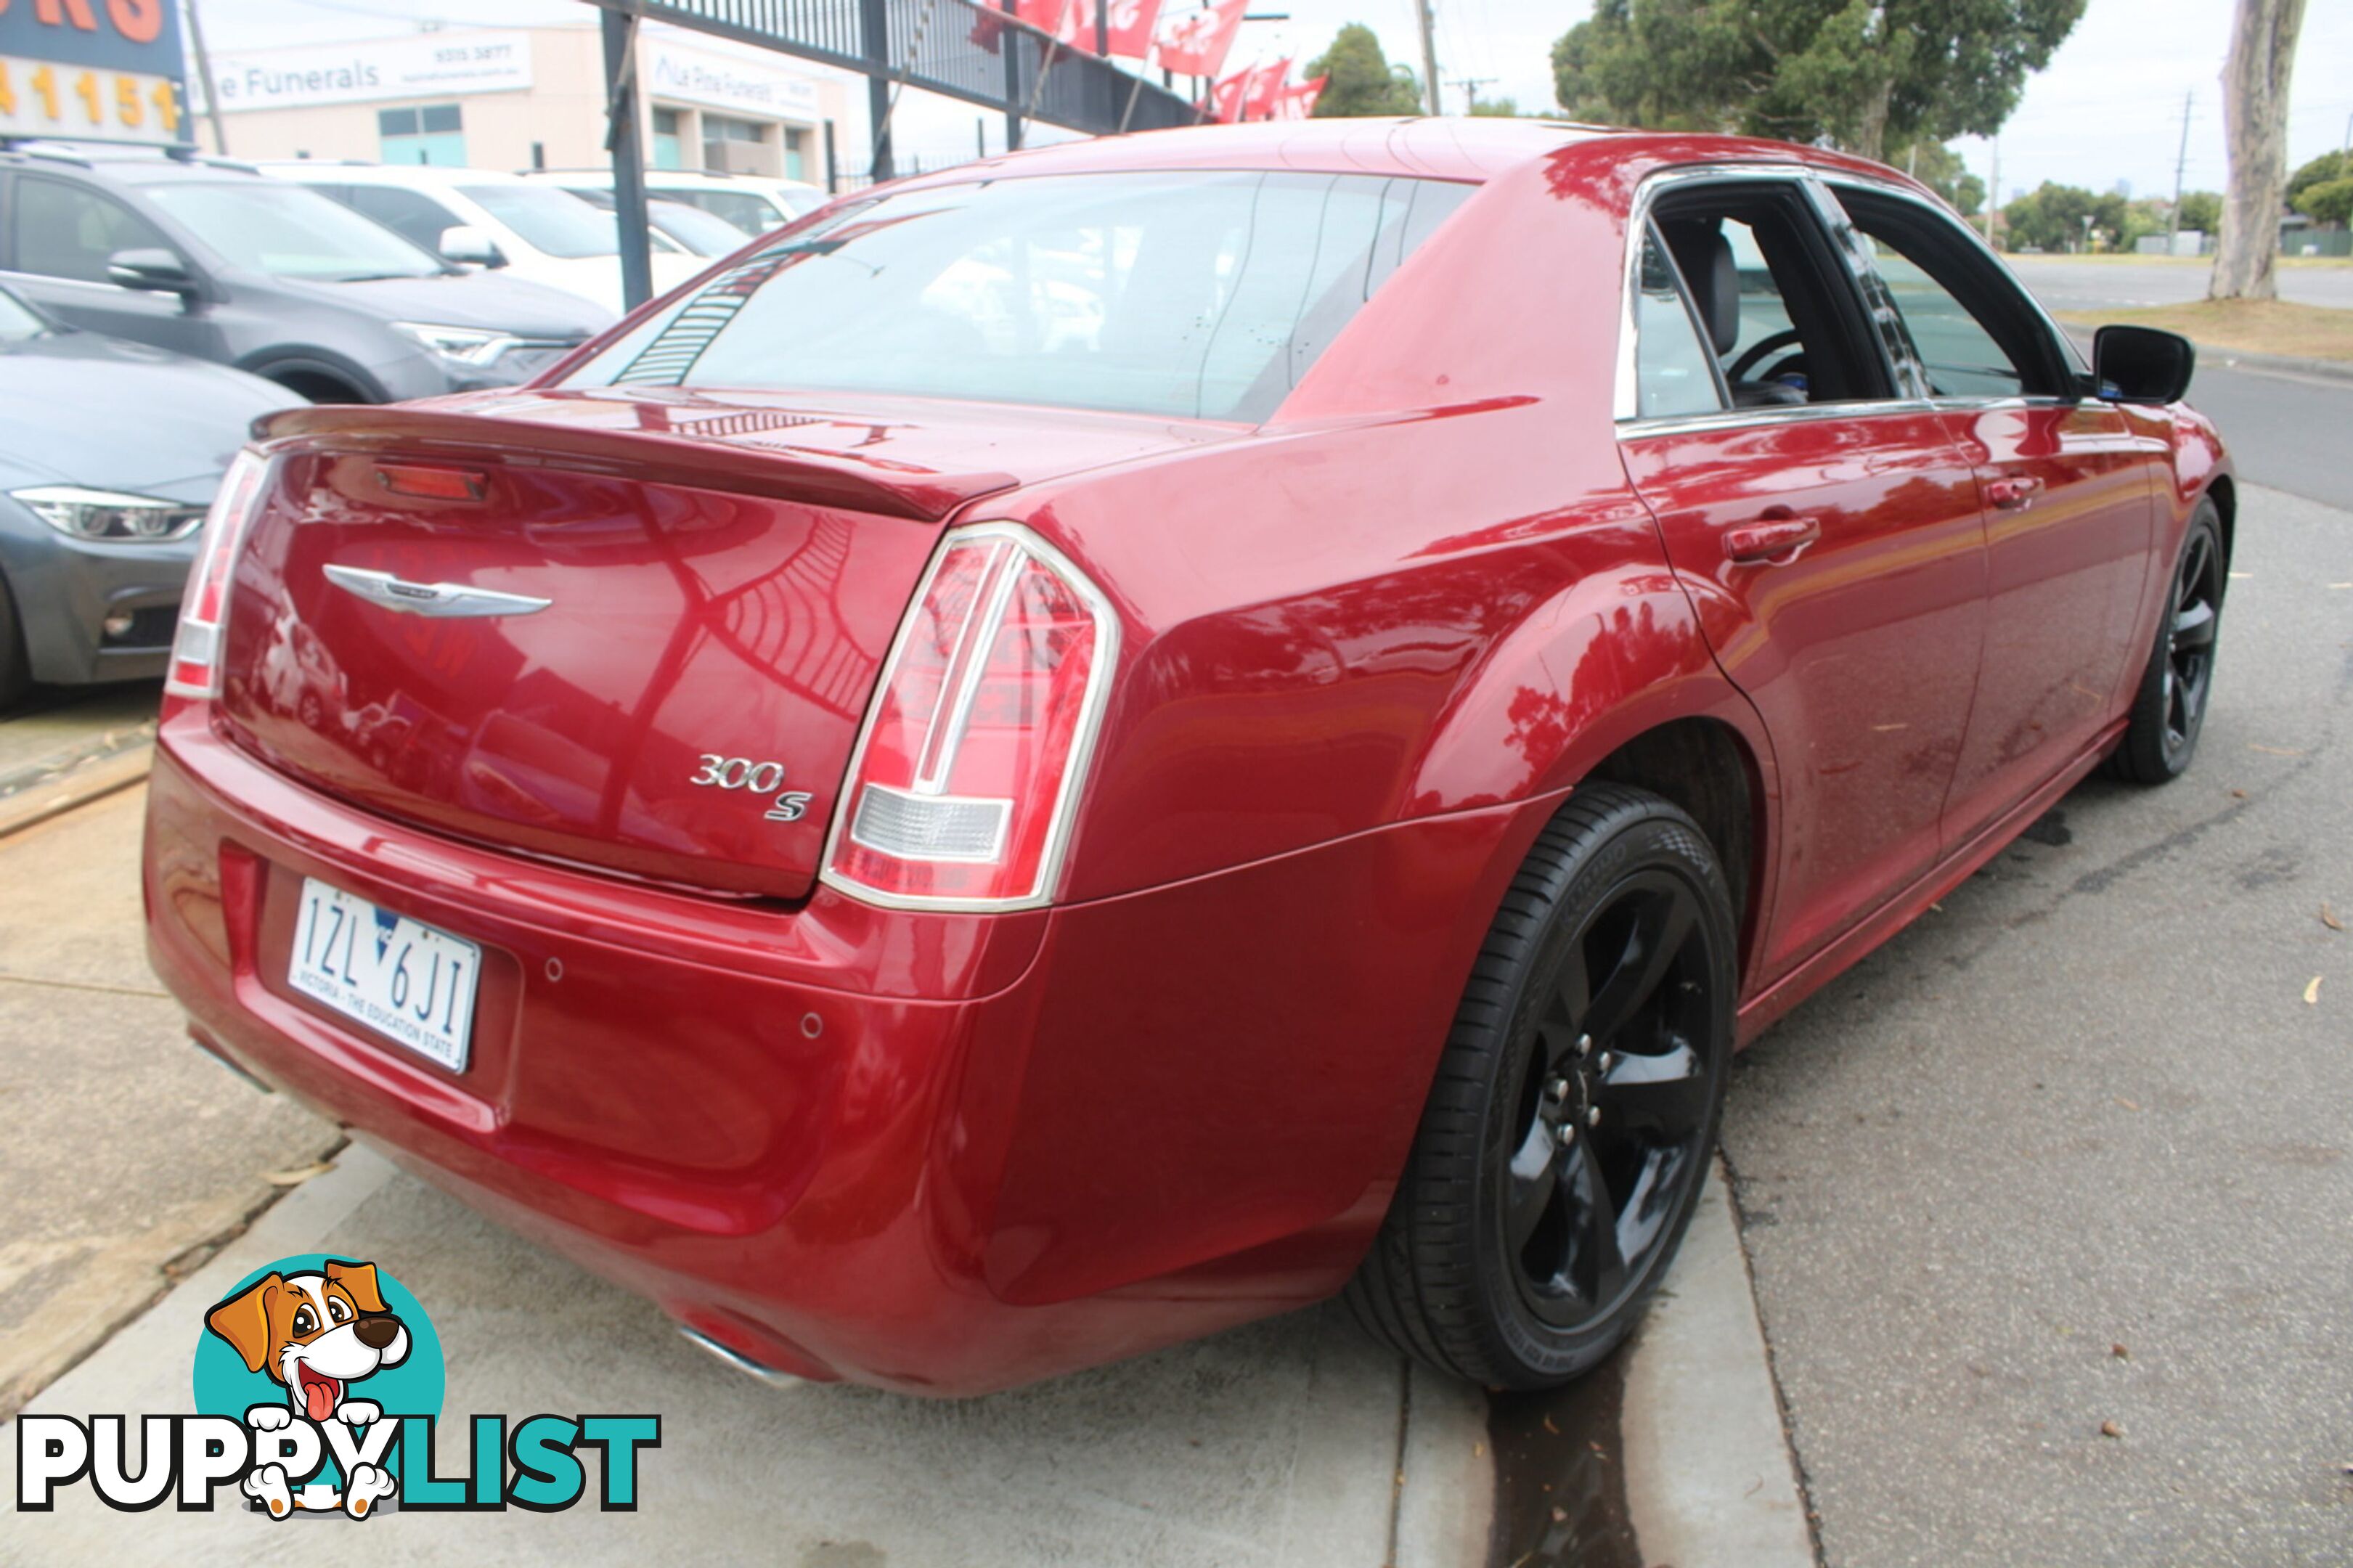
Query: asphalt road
[[2065, 283], [2286, 431], [2073, 1149]]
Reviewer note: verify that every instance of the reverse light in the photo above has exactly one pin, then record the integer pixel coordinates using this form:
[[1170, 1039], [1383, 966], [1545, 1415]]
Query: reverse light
[[195, 669], [110, 517], [965, 778]]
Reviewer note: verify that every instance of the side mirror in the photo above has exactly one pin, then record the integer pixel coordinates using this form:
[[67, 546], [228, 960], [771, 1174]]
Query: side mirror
[[466, 243], [150, 267], [2142, 364]]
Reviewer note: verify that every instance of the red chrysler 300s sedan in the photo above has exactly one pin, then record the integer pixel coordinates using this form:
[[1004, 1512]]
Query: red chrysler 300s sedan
[[1073, 751]]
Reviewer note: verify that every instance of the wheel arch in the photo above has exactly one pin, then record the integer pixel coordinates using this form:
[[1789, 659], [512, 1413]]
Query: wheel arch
[[1710, 770], [2225, 493], [1613, 681], [300, 369]]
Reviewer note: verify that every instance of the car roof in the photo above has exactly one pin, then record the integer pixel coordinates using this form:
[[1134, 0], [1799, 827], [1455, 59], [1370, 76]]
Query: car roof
[[676, 179], [1475, 149], [132, 166], [352, 172]]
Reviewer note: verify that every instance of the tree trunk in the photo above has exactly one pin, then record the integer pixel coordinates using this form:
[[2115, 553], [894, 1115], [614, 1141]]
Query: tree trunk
[[2254, 115], [1871, 120]]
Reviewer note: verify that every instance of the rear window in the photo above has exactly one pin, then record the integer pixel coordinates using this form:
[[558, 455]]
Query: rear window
[[1197, 295]]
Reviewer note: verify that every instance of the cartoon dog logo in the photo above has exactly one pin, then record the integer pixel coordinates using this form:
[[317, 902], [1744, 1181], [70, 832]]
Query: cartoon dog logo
[[316, 1335]]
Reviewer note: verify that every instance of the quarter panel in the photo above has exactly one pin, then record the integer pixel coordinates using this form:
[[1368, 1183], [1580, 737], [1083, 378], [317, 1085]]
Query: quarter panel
[[1306, 613]]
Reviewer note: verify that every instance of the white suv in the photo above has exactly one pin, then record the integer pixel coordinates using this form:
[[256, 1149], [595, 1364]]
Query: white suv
[[752, 203], [541, 234]]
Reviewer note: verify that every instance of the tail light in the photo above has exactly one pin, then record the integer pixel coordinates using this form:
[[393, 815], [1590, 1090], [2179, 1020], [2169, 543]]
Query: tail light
[[964, 781], [195, 649]]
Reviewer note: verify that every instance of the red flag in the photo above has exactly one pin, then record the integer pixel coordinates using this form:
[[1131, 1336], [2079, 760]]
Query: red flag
[[1266, 87], [1299, 102], [1197, 45], [1071, 21], [1230, 97], [1131, 26]]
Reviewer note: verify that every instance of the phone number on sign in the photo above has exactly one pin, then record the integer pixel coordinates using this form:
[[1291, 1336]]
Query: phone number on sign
[[41, 99]]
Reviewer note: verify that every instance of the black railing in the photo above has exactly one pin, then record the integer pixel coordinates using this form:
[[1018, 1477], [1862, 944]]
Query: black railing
[[958, 47]]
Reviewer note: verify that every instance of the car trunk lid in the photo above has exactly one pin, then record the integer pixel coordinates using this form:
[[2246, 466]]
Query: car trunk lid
[[636, 633]]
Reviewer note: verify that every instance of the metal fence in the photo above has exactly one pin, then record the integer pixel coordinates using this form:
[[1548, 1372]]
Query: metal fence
[[957, 48]]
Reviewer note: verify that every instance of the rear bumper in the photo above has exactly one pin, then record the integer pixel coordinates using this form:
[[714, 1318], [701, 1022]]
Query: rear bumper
[[939, 1154]]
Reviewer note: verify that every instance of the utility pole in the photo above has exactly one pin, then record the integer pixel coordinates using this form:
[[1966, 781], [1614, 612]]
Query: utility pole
[[1429, 55], [2181, 168], [1471, 86], [204, 76]]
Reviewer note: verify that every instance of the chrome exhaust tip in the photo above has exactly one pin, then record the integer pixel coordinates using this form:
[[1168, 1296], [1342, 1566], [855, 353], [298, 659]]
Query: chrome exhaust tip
[[741, 1362]]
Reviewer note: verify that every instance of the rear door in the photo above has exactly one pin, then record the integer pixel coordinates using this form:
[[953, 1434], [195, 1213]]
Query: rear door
[[2069, 486], [1828, 531]]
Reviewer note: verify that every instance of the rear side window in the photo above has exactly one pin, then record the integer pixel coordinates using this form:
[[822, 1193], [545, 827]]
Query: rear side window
[[65, 231], [412, 214], [1673, 367], [1195, 295]]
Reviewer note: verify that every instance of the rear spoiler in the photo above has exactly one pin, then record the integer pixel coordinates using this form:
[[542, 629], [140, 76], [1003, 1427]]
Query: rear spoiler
[[730, 449]]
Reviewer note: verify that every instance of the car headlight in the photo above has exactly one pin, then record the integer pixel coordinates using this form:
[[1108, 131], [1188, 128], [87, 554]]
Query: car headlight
[[110, 517], [466, 345]]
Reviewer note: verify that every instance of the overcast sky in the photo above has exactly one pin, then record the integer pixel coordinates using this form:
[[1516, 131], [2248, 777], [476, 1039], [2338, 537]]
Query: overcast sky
[[2108, 109]]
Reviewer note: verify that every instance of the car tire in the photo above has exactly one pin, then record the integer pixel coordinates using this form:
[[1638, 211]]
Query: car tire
[[2169, 711], [1568, 1131], [15, 667]]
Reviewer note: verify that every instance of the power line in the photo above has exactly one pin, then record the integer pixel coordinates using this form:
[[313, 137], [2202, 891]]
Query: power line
[[1471, 86]]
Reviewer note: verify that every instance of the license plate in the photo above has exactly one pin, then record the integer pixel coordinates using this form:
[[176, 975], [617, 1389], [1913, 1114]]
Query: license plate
[[404, 980]]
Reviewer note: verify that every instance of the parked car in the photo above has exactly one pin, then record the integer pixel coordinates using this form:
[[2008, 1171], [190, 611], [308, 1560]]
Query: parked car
[[109, 453], [488, 219], [752, 203], [208, 259], [944, 859], [691, 229]]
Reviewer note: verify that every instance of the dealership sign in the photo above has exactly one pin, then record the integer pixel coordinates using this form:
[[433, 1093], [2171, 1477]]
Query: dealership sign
[[673, 74], [423, 64], [91, 70]]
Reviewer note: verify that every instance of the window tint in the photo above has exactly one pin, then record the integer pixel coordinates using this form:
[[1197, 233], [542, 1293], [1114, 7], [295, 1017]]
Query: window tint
[[289, 231], [1187, 294], [1946, 310], [412, 214], [1673, 369], [1962, 358], [66, 231]]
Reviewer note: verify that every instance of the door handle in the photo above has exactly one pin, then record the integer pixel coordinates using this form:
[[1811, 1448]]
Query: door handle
[[1774, 541], [2013, 494]]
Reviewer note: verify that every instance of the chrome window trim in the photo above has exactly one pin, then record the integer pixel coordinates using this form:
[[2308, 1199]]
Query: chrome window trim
[[1628, 401], [1771, 414]]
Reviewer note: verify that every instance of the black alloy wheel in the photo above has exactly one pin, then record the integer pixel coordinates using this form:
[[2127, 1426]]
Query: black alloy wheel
[[2169, 711], [1568, 1133], [1614, 1103], [2189, 640]]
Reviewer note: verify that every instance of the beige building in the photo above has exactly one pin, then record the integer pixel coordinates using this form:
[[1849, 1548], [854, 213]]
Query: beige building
[[535, 97]]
